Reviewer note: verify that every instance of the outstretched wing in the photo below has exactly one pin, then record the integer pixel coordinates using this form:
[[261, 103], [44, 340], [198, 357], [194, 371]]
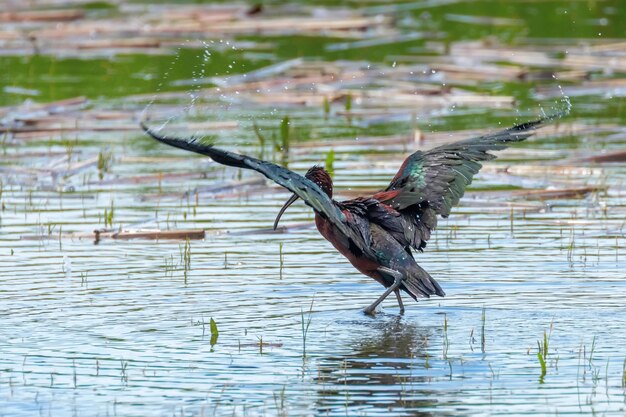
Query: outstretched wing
[[432, 182], [307, 190]]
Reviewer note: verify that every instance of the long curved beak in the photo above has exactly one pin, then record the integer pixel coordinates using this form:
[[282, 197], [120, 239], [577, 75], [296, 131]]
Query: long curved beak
[[285, 207]]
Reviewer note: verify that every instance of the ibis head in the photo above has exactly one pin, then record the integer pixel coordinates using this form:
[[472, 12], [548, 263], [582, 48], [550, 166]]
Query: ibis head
[[320, 177]]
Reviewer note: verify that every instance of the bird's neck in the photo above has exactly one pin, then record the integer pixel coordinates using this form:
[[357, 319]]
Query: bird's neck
[[324, 226]]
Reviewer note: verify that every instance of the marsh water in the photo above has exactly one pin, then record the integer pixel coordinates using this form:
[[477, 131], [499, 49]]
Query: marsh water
[[532, 261]]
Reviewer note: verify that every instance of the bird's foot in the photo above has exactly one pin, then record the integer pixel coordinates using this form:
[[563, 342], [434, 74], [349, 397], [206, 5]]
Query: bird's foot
[[370, 310], [394, 287]]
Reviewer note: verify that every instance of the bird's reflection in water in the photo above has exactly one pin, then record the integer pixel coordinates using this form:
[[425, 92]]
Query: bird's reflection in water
[[388, 371]]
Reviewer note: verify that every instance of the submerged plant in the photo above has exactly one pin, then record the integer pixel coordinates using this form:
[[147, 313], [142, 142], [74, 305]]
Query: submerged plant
[[214, 332], [185, 258], [69, 146], [123, 370], [279, 403], [104, 163], [593, 348], [108, 215], [284, 135], [329, 164], [280, 252], [305, 327], [349, 109], [541, 356], [543, 348], [482, 332], [446, 341], [260, 138]]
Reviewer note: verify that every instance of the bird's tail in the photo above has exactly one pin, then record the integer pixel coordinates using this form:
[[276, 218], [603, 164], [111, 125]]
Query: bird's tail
[[419, 284]]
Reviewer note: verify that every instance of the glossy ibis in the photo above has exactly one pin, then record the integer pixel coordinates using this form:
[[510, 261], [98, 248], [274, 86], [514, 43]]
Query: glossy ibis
[[378, 233]]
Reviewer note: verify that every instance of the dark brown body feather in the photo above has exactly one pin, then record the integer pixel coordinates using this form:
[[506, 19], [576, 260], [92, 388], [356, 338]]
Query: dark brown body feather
[[385, 230]]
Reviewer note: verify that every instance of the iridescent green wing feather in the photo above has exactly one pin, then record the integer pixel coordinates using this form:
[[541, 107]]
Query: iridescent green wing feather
[[438, 177], [432, 182]]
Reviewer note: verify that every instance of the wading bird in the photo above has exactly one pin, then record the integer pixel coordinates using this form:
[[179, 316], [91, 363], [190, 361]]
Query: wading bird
[[377, 233]]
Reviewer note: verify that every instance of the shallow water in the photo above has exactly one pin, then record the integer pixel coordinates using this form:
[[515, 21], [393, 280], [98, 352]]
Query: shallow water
[[123, 327]]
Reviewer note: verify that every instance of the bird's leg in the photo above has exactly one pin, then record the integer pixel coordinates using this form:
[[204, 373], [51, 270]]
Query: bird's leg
[[397, 282], [399, 297], [370, 309]]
